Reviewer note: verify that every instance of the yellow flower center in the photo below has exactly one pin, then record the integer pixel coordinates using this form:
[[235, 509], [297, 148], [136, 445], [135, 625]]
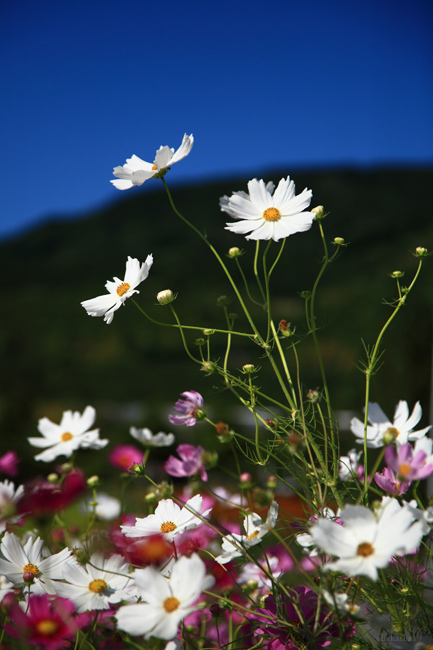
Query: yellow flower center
[[122, 288], [168, 527], [170, 604], [365, 549], [66, 436], [31, 568], [97, 586], [154, 167], [256, 532], [404, 469], [272, 214], [47, 628]]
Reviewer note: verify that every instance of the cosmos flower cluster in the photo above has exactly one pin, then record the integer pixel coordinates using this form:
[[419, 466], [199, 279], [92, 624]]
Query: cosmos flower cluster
[[213, 556]]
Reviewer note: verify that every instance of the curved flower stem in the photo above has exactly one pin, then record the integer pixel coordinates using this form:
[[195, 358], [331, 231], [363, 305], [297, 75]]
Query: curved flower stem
[[229, 342], [284, 362], [223, 266], [247, 289], [187, 327], [312, 325], [185, 345], [373, 359], [256, 273]]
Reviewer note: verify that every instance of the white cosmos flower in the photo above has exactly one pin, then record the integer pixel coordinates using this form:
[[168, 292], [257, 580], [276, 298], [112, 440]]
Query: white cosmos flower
[[29, 567], [136, 170], [266, 214], [402, 428], [119, 290], [165, 601], [6, 587], [8, 498], [68, 436], [106, 508], [367, 540], [168, 519], [102, 582], [234, 545], [146, 437]]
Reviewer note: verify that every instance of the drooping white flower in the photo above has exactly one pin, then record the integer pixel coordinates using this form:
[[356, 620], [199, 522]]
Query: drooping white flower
[[68, 436], [234, 545], [146, 437], [136, 170], [102, 582], [367, 540], [165, 602], [119, 290], [401, 430], [266, 214], [29, 566], [423, 516], [168, 519], [341, 602], [9, 496]]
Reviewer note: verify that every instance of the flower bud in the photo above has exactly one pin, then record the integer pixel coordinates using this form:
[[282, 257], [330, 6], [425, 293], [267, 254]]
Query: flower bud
[[150, 497], [215, 610], [245, 479], [285, 328], [272, 482], [165, 297], [305, 294], [319, 211], [339, 241], [390, 435], [313, 395], [164, 490], [252, 585], [209, 458], [93, 481], [209, 367], [199, 342], [248, 368], [208, 332], [223, 301], [53, 477], [66, 467], [421, 252], [223, 432], [396, 274], [235, 252], [28, 578]]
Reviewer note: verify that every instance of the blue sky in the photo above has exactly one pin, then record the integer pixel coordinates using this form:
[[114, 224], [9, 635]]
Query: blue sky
[[311, 83]]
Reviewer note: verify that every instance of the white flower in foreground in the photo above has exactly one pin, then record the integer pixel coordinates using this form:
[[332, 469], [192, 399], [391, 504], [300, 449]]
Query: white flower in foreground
[[68, 436], [235, 545], [119, 290], [400, 430], [367, 540], [166, 602], [146, 437], [136, 170], [8, 498], [27, 567], [266, 214], [169, 519], [102, 582]]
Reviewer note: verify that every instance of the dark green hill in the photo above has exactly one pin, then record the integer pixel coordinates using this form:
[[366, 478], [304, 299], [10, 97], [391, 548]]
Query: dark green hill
[[55, 357]]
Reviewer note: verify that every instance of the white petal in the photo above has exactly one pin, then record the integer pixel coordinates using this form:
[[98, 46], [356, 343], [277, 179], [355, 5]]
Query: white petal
[[184, 149]]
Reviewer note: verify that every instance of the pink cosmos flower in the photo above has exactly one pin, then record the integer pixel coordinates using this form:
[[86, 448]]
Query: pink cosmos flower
[[406, 464], [9, 463], [191, 462], [47, 623], [191, 408], [123, 456], [388, 481]]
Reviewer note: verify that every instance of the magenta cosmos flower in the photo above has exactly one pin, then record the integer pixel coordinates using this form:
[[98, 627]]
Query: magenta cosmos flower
[[9, 463], [388, 481], [123, 456], [406, 464], [47, 623], [191, 462], [191, 408]]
